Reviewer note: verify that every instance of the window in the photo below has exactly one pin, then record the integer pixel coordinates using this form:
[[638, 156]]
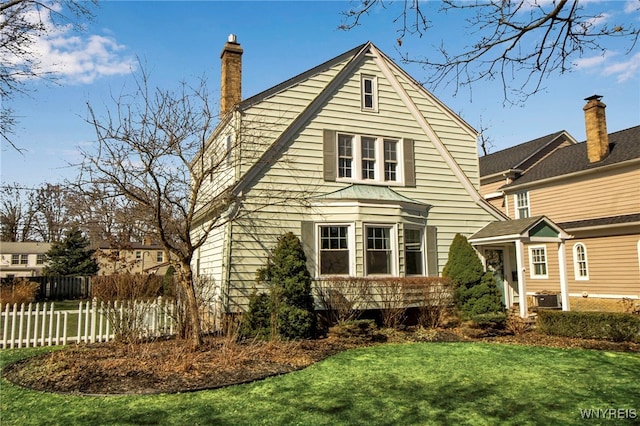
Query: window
[[379, 253], [538, 259], [334, 250], [345, 156], [138, 255], [369, 89], [159, 256], [390, 160], [522, 205], [19, 259], [368, 158], [379, 158], [40, 259], [580, 262], [413, 253]]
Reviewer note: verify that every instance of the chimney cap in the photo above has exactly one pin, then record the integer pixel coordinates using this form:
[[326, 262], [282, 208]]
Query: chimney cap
[[232, 38], [593, 97]]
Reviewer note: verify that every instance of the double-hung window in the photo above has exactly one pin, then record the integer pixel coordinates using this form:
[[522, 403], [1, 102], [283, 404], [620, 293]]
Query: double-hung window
[[345, 156], [580, 262], [522, 205], [538, 262], [334, 250], [369, 159], [413, 252], [390, 160], [379, 254], [40, 259], [19, 259], [159, 256]]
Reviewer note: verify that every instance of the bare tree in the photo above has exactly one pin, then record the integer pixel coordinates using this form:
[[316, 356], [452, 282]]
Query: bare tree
[[21, 24], [17, 212], [148, 150], [51, 212], [519, 42]]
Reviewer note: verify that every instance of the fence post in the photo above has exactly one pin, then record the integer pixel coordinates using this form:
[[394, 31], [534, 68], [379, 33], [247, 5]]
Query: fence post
[[28, 337], [5, 326], [50, 325]]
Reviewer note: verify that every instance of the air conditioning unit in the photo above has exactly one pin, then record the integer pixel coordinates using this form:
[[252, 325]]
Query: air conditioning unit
[[547, 301]]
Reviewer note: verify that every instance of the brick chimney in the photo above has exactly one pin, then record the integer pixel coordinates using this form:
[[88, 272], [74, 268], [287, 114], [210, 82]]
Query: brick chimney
[[596, 124], [231, 84]]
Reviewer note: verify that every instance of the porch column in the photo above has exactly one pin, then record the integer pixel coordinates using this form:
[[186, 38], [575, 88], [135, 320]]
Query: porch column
[[522, 287], [564, 289]]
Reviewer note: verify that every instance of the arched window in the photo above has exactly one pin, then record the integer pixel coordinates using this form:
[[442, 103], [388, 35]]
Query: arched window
[[580, 265]]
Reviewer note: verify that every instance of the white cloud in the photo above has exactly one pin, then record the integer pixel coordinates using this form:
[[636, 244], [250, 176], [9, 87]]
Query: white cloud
[[631, 6], [592, 61], [625, 70], [77, 57]]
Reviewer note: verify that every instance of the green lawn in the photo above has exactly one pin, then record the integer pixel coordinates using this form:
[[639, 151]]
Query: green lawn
[[394, 384]]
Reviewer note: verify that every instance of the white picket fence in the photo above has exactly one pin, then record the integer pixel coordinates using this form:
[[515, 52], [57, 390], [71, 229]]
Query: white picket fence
[[40, 324]]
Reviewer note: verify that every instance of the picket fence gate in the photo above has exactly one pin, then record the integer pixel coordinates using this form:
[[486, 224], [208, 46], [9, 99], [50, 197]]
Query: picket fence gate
[[40, 324]]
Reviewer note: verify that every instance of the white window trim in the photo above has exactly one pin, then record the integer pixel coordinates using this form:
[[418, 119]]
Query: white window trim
[[518, 207], [356, 160], [532, 268], [374, 89], [423, 246], [576, 266], [393, 236], [351, 241]]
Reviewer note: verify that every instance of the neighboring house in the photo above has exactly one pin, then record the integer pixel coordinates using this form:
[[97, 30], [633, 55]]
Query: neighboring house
[[22, 259], [133, 258], [589, 193], [369, 169]]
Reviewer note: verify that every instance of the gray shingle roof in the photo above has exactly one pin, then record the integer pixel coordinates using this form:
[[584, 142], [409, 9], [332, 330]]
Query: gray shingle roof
[[300, 77], [511, 157], [507, 227], [624, 146], [601, 221]]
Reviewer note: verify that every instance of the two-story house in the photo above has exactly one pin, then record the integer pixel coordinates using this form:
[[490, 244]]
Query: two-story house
[[22, 259], [591, 191], [134, 258], [369, 169]]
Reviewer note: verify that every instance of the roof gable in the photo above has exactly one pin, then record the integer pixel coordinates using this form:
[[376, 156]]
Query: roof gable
[[530, 227]]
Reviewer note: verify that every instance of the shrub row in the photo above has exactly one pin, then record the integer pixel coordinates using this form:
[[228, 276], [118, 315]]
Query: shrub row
[[19, 291], [344, 299], [614, 326]]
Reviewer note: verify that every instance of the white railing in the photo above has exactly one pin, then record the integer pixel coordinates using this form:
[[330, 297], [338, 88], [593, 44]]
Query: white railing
[[40, 324]]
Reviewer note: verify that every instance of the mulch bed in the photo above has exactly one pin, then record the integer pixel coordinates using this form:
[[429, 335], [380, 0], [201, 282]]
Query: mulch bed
[[168, 366]]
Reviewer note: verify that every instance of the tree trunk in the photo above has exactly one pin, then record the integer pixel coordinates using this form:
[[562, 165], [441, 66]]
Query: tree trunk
[[192, 309]]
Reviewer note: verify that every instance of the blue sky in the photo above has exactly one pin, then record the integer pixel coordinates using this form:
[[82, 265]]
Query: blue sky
[[183, 40]]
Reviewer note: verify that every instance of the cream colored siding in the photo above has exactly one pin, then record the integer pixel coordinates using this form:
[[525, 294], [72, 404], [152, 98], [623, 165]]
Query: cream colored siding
[[585, 197], [297, 175], [612, 264]]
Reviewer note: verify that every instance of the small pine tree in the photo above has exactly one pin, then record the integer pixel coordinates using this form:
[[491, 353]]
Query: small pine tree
[[476, 291], [463, 265], [289, 283], [70, 256]]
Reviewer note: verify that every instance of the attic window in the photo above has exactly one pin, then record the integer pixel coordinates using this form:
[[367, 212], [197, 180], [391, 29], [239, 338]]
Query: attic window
[[369, 90]]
